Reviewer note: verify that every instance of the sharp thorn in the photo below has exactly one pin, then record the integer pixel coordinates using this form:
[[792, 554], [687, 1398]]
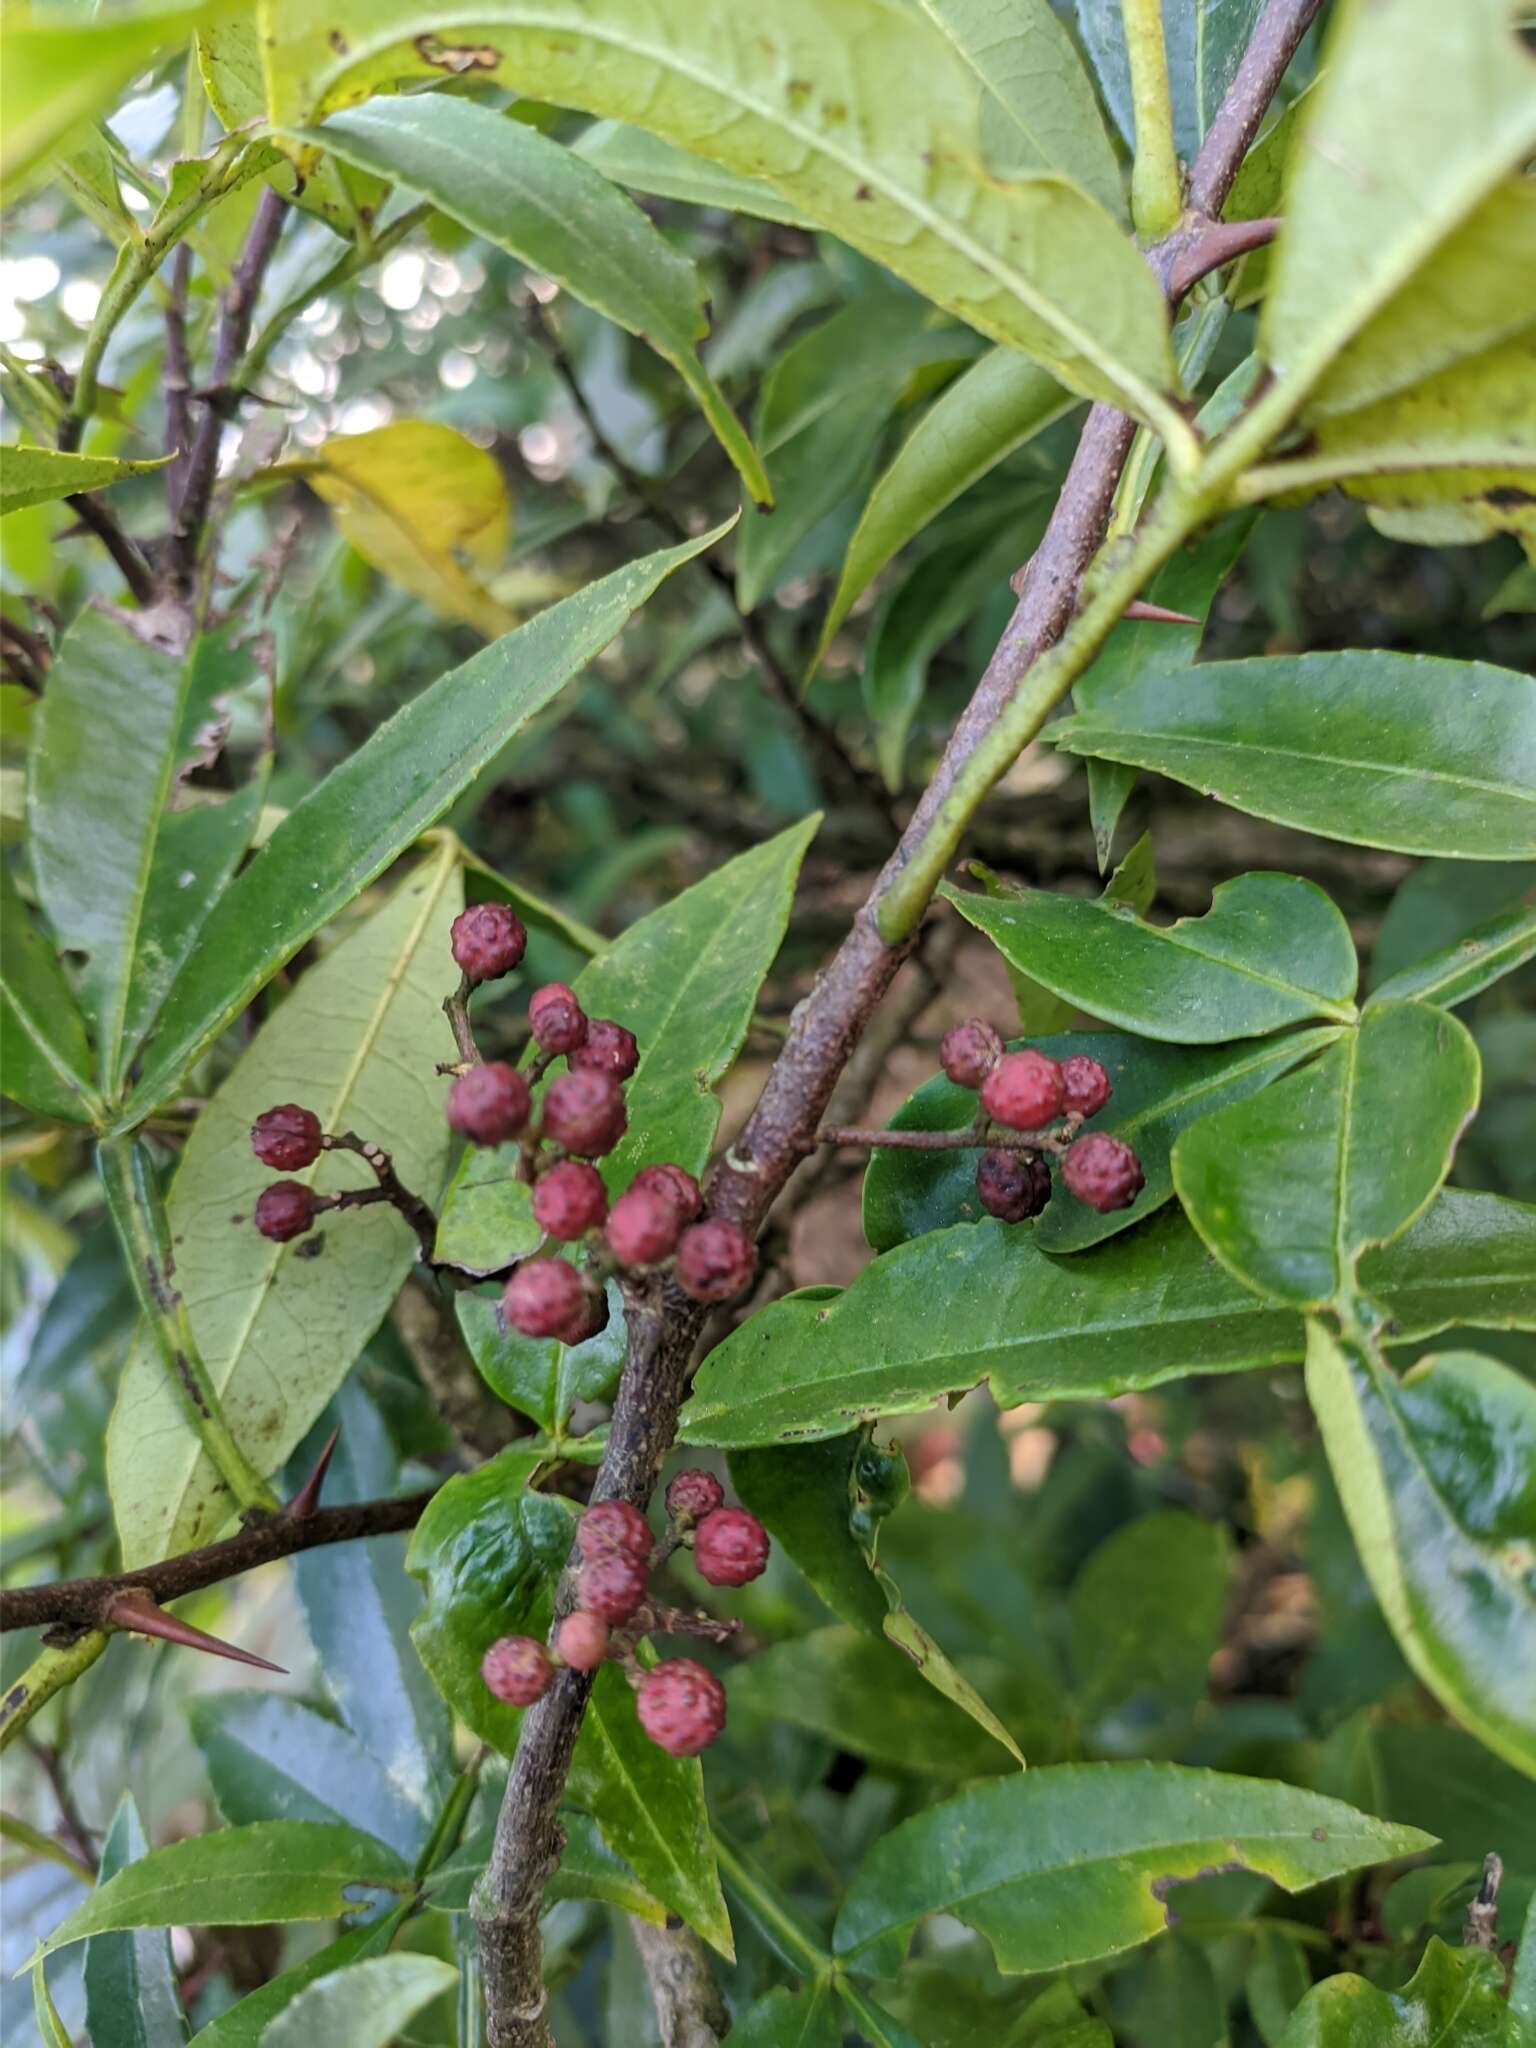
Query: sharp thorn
[[1158, 614], [136, 1610], [307, 1499]]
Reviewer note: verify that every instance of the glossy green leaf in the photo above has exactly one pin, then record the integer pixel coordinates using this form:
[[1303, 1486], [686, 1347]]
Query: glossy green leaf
[[271, 1758], [1040, 114], [488, 1551], [278, 1326], [245, 2024], [988, 412], [278, 1870], [1398, 750], [1065, 1864], [588, 1869], [645, 163], [43, 1049], [1271, 950], [1351, 243], [1437, 1473], [980, 1302], [1158, 1091], [363, 2005], [1034, 263], [371, 807], [1522, 1984], [36, 476], [1146, 1618], [541, 1378], [790, 2019], [552, 210], [486, 1220], [1205, 40], [1441, 902], [131, 2000], [650, 1808], [1464, 969], [1455, 1997], [1289, 1187]]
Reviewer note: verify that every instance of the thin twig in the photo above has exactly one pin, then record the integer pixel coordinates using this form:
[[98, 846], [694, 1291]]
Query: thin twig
[[690, 2012], [76, 1834], [95, 516], [177, 380]]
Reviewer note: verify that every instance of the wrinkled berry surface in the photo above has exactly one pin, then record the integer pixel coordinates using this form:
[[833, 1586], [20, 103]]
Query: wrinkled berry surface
[[284, 1210], [1024, 1091], [715, 1261], [607, 1049], [556, 1018], [582, 1640], [584, 1112], [643, 1226], [730, 1547], [614, 1525], [569, 1200], [681, 1706], [490, 1103], [1012, 1185], [1086, 1084], [287, 1138], [517, 1669], [545, 1298], [969, 1051], [1102, 1171], [488, 940], [693, 1494], [611, 1585]]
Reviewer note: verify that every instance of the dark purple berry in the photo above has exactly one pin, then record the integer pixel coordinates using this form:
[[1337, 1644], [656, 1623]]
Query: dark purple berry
[[643, 1227], [287, 1138], [284, 1210], [614, 1525], [582, 1640], [681, 1706], [968, 1052], [569, 1200], [611, 1585], [692, 1495], [715, 1261], [487, 940], [545, 1298], [584, 1112], [556, 1018], [1086, 1084], [490, 1103], [607, 1049], [1012, 1185], [730, 1547], [517, 1669], [1024, 1091], [1102, 1171]]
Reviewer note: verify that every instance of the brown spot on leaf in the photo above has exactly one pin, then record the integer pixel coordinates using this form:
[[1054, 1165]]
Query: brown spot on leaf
[[457, 58], [338, 42]]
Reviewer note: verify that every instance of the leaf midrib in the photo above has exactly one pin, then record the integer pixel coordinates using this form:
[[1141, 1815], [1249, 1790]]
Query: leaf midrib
[[1234, 746]]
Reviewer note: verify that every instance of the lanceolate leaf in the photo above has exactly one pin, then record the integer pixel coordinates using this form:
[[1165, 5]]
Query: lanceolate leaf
[[1076, 1861], [1289, 1187], [1397, 750], [552, 210], [1437, 1473], [1158, 1090], [1463, 969], [245, 2024], [278, 1870], [278, 1326], [363, 2005], [373, 805], [34, 476], [629, 156], [131, 1999], [1034, 262], [42, 1037], [1271, 950], [980, 1302]]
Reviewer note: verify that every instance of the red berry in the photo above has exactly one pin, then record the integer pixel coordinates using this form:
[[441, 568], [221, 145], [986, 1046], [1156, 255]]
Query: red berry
[[556, 1018], [611, 1585], [1086, 1084], [614, 1525], [569, 1200], [1102, 1171], [1012, 1185], [1024, 1091], [969, 1052], [643, 1227], [584, 1112], [287, 1138], [582, 1640], [672, 1180], [693, 1495], [517, 1669], [545, 1298], [715, 1261], [607, 1049], [487, 940], [490, 1103], [730, 1547], [681, 1706], [284, 1210]]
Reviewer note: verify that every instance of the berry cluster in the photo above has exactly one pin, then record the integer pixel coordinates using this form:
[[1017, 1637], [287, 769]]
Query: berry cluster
[[681, 1704], [1028, 1091]]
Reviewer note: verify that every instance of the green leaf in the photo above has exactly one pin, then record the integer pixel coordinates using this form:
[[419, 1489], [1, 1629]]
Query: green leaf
[[1205, 41], [271, 1758], [1522, 1985], [1437, 1473], [588, 1869], [1443, 901], [790, 2019], [131, 2000], [245, 2024], [645, 163], [863, 1695], [362, 2005], [980, 1302], [1146, 1618], [1456, 1996], [1075, 1861], [1041, 114], [488, 1551], [36, 476], [542, 1379], [984, 416], [1289, 1187], [1397, 750], [650, 1807], [276, 1871], [371, 807], [278, 1326], [43, 1048], [1271, 950], [51, 2028], [1033, 262], [1464, 969], [552, 210], [486, 1220], [1351, 243]]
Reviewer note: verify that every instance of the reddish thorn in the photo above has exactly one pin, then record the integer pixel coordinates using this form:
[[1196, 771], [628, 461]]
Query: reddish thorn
[[136, 1610], [307, 1499], [1158, 614]]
